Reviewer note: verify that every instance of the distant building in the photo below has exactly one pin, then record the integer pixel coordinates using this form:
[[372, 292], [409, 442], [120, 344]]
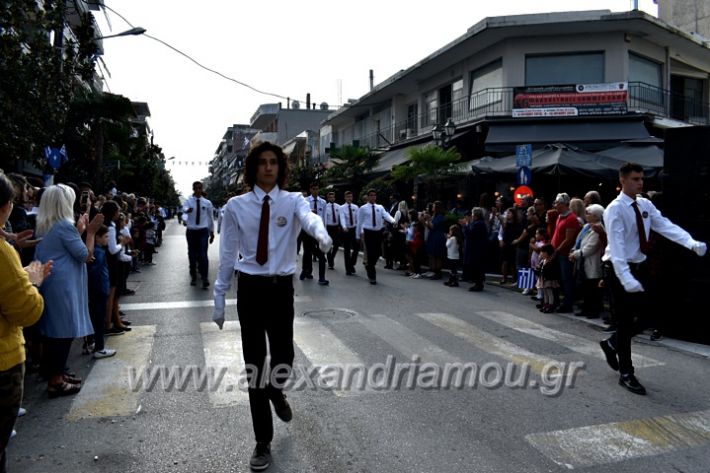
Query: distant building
[[228, 162], [278, 125], [692, 16]]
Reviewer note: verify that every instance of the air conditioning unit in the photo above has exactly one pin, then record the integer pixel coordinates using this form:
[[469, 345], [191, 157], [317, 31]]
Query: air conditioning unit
[[411, 133], [402, 134]]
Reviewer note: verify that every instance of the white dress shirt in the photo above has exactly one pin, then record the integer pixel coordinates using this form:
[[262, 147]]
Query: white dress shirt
[[320, 206], [623, 245], [364, 218], [345, 212], [288, 213], [332, 210], [206, 211]]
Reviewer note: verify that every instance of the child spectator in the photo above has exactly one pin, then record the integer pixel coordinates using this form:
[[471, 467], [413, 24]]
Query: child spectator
[[541, 239], [99, 290], [550, 278], [454, 244]]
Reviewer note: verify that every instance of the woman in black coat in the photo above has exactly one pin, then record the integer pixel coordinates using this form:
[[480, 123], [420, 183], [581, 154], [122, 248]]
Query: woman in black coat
[[475, 232]]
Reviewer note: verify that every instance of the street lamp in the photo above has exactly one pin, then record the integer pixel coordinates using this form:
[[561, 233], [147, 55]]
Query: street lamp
[[442, 134], [132, 32]]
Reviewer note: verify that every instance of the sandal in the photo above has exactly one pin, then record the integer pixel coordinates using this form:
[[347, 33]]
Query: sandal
[[71, 379], [62, 389]]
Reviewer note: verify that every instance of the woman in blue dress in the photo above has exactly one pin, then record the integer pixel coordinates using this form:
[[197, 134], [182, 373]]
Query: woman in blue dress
[[65, 291]]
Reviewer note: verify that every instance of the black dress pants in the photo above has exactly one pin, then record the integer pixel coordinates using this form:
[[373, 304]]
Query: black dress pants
[[373, 248], [310, 248], [630, 313], [350, 249], [334, 232], [265, 308]]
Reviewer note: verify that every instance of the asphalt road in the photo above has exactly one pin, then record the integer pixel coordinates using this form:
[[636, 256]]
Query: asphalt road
[[579, 418]]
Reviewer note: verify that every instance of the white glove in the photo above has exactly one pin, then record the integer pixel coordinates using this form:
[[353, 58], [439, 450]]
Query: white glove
[[633, 286], [700, 248], [324, 241], [218, 314]]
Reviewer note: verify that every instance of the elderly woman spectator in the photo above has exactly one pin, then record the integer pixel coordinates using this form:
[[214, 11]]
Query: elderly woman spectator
[[587, 256], [507, 235], [20, 305], [66, 313], [475, 232]]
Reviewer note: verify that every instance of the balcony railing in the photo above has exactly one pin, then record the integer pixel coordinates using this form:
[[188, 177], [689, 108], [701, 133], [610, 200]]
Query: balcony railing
[[498, 102]]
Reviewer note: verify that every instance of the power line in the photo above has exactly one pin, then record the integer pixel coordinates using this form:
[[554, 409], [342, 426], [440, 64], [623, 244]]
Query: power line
[[243, 84]]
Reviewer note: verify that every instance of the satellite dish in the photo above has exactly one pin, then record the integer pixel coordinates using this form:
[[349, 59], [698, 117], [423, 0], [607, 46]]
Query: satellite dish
[[295, 105]]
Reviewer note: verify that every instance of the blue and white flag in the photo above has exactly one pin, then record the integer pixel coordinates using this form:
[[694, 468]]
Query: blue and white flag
[[56, 156], [526, 278]]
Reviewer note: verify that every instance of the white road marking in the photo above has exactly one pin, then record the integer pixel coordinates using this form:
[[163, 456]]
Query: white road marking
[[106, 391], [610, 443], [571, 342], [223, 354], [189, 304], [490, 343]]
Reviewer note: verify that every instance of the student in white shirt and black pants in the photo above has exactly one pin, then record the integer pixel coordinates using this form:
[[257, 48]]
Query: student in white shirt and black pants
[[200, 233], [629, 220], [348, 222], [332, 224], [310, 246], [260, 228], [370, 226]]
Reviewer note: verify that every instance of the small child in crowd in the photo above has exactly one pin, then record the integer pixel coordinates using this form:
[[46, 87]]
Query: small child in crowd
[[538, 242], [550, 278], [99, 289], [454, 244]]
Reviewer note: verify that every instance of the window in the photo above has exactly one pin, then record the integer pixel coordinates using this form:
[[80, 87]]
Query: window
[[486, 83], [562, 69], [412, 117], [431, 104], [646, 83]]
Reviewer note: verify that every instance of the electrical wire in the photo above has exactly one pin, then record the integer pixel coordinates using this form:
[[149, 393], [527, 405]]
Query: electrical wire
[[243, 84]]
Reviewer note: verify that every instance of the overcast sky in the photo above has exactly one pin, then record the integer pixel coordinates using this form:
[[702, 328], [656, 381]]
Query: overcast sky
[[285, 47]]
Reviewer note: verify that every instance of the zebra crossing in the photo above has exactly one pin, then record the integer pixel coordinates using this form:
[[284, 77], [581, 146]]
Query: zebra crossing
[[320, 342]]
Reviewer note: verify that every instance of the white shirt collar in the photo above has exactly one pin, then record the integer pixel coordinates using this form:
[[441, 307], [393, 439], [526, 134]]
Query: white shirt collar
[[260, 193], [626, 199]]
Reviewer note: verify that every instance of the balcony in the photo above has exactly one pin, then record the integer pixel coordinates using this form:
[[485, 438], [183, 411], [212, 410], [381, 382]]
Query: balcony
[[498, 103], [264, 115]]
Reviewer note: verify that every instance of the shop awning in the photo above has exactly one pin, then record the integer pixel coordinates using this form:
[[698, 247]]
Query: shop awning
[[567, 132], [396, 157]]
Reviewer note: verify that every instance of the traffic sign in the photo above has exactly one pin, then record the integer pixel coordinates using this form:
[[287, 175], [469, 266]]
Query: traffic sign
[[520, 192], [523, 176]]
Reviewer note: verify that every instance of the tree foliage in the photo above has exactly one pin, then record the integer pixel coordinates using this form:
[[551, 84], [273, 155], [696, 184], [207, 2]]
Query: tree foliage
[[351, 165], [430, 161], [37, 80]]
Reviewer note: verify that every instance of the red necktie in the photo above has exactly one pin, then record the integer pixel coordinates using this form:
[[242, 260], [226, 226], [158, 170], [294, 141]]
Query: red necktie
[[374, 223], [333, 209], [350, 210], [262, 247], [643, 242]]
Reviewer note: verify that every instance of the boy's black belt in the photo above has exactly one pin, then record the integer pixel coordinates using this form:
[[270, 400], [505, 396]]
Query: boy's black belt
[[264, 278]]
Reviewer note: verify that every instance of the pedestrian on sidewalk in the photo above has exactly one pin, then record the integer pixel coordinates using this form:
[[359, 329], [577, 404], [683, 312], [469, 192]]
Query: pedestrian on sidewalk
[[629, 220], [21, 305], [262, 227], [370, 228], [200, 233]]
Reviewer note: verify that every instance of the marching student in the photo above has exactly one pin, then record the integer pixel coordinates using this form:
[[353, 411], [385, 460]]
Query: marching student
[[370, 226], [262, 227], [348, 222], [332, 224], [199, 234], [310, 246]]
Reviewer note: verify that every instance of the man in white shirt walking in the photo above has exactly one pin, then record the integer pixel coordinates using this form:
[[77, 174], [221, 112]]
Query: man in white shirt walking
[[332, 224], [370, 226], [310, 245], [261, 227], [200, 233], [348, 222], [629, 220]]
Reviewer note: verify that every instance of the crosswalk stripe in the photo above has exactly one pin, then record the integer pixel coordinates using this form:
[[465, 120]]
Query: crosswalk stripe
[[189, 304], [106, 391], [323, 348], [490, 343], [223, 352], [609, 443], [569, 341], [406, 341]]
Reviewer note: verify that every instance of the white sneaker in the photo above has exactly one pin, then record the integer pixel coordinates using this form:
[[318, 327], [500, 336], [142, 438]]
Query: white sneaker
[[21, 412], [105, 353], [13, 433], [527, 292], [416, 276]]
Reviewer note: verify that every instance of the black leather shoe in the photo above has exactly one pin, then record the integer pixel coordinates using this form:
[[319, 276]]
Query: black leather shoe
[[323, 282], [610, 354], [630, 382], [656, 335], [302, 276], [205, 284], [193, 281], [282, 408], [261, 458]]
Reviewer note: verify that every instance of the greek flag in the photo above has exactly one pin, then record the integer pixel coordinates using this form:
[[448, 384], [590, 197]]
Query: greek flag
[[526, 278]]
